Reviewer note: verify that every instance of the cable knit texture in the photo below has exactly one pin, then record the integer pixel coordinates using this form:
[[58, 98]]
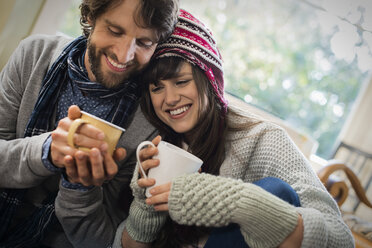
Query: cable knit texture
[[220, 201], [143, 222], [251, 154]]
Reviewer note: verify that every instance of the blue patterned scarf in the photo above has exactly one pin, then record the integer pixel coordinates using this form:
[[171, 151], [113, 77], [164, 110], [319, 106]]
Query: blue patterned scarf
[[68, 66]]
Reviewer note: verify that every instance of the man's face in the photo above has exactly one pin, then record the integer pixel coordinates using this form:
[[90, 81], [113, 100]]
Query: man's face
[[117, 47]]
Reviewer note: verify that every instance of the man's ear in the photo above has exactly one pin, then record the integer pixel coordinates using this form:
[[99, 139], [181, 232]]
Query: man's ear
[[90, 21]]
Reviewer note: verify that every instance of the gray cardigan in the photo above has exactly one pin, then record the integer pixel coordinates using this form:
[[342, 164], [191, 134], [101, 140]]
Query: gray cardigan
[[252, 153], [89, 219]]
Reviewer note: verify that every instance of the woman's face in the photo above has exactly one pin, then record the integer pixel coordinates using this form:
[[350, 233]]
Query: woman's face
[[176, 100]]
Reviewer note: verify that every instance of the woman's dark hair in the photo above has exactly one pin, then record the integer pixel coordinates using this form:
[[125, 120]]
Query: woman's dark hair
[[160, 15], [208, 142], [207, 137]]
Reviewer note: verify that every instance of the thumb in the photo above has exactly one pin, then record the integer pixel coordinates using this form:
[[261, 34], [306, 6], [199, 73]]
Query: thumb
[[120, 153], [74, 112]]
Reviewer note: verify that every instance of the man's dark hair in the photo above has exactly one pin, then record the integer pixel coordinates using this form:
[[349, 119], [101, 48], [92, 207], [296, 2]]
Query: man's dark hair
[[160, 15]]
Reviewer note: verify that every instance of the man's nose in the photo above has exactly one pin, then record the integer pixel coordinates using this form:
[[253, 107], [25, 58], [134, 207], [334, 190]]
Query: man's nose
[[126, 50]]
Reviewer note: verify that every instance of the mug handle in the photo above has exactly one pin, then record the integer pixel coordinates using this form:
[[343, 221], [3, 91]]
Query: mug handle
[[139, 147], [72, 130]]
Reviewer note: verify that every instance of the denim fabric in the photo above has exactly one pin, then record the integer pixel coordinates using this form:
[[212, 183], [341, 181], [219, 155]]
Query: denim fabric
[[230, 236]]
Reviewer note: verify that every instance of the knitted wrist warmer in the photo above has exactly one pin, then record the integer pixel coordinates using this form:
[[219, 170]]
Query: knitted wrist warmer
[[143, 222], [202, 199]]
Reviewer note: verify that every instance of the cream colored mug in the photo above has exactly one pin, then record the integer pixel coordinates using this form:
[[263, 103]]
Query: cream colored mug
[[112, 132], [174, 161]]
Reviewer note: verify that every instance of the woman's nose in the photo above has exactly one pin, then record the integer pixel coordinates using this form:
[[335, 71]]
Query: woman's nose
[[172, 97]]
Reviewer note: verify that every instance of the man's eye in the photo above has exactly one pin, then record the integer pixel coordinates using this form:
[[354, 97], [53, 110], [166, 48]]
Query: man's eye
[[114, 32], [145, 44]]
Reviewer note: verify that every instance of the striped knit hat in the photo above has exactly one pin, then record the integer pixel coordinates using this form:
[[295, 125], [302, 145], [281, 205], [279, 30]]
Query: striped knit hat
[[193, 41]]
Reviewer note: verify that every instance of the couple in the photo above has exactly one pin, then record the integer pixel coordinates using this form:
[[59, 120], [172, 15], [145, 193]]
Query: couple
[[246, 160]]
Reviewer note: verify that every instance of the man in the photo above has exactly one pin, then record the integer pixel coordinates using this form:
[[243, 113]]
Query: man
[[46, 75]]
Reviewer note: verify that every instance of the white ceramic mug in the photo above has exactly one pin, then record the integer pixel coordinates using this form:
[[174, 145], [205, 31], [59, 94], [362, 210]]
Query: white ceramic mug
[[174, 162]]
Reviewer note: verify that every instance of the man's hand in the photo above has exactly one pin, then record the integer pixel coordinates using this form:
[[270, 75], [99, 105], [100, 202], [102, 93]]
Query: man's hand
[[87, 168], [87, 136]]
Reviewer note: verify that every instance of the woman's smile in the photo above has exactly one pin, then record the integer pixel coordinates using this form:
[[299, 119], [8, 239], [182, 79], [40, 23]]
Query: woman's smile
[[176, 101], [179, 112]]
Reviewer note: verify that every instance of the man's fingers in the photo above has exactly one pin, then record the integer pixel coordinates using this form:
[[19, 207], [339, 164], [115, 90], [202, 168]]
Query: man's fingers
[[98, 171], [74, 112], [71, 170], [119, 154], [81, 140], [91, 132], [84, 173], [111, 167]]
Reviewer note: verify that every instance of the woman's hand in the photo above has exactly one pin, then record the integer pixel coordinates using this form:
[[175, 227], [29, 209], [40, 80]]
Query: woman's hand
[[159, 198], [148, 162]]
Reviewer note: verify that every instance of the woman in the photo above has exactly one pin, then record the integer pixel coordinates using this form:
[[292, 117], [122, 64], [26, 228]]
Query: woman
[[255, 187]]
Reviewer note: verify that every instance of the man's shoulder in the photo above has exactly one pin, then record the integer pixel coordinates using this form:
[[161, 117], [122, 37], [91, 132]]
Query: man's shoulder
[[138, 130], [47, 40], [45, 44]]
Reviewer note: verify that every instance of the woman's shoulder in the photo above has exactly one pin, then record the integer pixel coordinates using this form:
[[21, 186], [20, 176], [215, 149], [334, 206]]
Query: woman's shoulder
[[241, 121]]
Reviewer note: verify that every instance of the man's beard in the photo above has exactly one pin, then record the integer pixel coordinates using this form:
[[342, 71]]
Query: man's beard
[[108, 79]]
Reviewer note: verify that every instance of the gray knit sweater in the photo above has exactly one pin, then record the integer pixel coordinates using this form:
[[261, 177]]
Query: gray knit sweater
[[265, 220], [86, 219]]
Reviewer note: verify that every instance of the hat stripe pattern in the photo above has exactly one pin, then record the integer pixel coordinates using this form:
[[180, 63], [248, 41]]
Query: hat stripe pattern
[[193, 41]]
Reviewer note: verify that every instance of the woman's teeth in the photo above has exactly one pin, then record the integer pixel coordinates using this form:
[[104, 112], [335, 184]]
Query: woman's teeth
[[179, 111]]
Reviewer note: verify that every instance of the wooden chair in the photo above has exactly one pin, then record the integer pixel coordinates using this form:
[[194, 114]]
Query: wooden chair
[[339, 176]]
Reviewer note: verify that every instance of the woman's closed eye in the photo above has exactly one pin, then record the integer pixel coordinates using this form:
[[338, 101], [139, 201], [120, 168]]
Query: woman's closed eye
[[156, 89], [181, 83]]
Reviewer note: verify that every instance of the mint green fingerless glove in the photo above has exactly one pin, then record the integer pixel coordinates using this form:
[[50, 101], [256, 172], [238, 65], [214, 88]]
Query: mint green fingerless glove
[[208, 200], [143, 222]]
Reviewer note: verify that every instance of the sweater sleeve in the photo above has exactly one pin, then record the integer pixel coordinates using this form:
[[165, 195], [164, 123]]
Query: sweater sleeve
[[20, 79], [266, 150], [90, 218], [143, 222], [207, 200]]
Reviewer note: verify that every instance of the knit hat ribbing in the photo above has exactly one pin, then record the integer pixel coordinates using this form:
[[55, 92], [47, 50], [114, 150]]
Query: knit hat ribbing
[[193, 41]]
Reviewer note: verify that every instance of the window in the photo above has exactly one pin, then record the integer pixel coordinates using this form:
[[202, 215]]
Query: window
[[303, 61]]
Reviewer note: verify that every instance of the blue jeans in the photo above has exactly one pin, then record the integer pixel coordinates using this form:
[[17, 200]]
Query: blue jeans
[[230, 236]]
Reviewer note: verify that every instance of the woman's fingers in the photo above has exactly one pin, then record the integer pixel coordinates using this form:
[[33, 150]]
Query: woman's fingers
[[161, 207], [147, 153], [159, 198], [160, 201], [156, 140], [150, 163], [146, 182]]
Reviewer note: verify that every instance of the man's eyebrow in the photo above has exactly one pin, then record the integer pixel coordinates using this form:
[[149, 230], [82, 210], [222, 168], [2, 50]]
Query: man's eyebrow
[[121, 29], [108, 22]]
